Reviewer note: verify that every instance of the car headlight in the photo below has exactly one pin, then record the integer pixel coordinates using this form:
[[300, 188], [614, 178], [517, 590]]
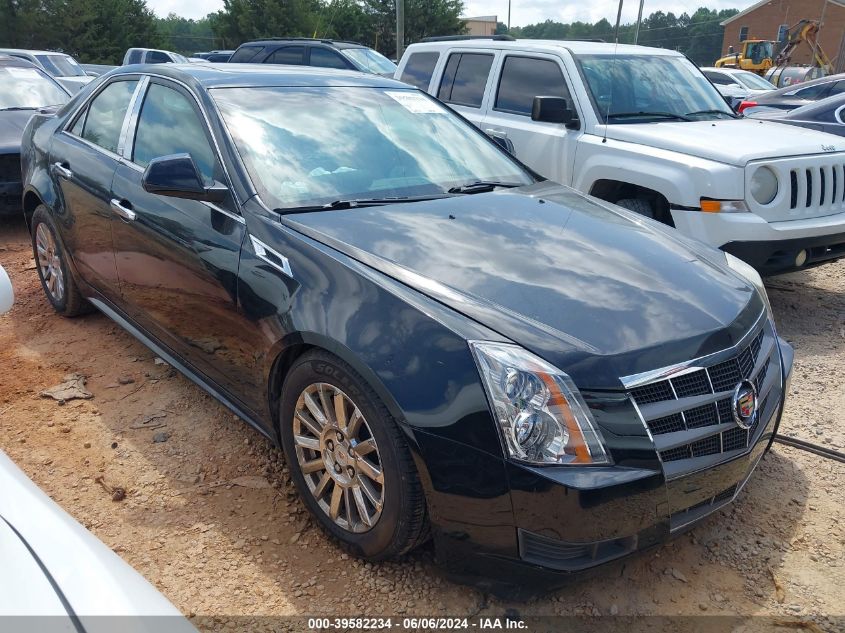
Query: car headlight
[[764, 185], [541, 413], [749, 273]]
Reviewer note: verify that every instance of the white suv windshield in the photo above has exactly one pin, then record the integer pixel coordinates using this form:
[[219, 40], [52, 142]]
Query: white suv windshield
[[647, 88], [316, 146], [750, 80]]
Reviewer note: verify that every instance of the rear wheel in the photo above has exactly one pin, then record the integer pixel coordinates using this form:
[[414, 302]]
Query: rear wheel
[[51, 262], [349, 460]]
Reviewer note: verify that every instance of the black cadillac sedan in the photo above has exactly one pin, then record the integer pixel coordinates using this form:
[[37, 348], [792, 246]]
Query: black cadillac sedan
[[442, 343]]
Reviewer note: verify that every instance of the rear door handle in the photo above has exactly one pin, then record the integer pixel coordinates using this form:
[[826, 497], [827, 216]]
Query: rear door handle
[[494, 132], [122, 210], [62, 171]]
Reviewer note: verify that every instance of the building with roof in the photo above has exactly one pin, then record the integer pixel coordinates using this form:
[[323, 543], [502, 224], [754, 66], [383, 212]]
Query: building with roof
[[771, 20], [481, 25]]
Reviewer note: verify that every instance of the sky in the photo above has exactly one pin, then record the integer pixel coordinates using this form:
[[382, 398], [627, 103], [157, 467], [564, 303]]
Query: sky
[[522, 11]]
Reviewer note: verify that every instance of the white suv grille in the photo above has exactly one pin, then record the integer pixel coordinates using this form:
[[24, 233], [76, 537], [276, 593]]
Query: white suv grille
[[808, 187]]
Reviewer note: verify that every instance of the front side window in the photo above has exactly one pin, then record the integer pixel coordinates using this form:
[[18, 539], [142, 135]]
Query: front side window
[[360, 143], [419, 68], [465, 79], [104, 118], [325, 58], [28, 88], [290, 55], [524, 78], [648, 88], [169, 124], [245, 54]]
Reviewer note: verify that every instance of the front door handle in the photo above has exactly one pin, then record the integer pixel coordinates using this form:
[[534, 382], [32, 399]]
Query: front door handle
[[122, 210], [494, 132], [62, 171]]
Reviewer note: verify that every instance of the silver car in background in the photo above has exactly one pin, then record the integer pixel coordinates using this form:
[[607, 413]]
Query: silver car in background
[[64, 68]]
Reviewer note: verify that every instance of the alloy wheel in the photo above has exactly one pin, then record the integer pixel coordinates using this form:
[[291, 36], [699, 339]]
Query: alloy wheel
[[338, 457], [49, 263]]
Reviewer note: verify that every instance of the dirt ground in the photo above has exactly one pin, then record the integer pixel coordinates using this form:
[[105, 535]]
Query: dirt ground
[[212, 521]]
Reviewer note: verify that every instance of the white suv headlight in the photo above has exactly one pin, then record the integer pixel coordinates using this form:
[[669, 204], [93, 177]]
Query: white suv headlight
[[541, 413], [764, 185]]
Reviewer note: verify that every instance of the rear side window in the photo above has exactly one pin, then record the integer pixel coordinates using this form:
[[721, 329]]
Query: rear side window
[[134, 57], [157, 57], [524, 78], [246, 54], [104, 119], [719, 79], [291, 55], [838, 89], [465, 78], [325, 58], [419, 68], [813, 92]]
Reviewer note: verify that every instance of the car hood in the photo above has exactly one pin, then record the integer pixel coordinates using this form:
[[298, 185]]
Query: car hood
[[90, 578], [730, 141], [594, 289], [12, 123]]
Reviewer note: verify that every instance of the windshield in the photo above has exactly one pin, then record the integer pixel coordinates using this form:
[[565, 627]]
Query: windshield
[[661, 87], [28, 88], [315, 146], [750, 80], [372, 60], [61, 65]]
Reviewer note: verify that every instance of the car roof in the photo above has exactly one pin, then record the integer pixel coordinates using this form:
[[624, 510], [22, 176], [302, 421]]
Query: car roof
[[219, 75], [280, 40], [28, 51], [7, 60], [730, 71], [578, 47]]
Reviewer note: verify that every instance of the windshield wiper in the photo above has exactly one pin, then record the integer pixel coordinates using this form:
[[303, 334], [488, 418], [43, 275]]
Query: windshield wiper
[[353, 203], [728, 114], [482, 186], [660, 115], [17, 108]]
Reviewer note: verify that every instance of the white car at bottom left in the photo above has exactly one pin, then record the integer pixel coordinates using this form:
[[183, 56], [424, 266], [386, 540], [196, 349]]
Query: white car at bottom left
[[57, 576]]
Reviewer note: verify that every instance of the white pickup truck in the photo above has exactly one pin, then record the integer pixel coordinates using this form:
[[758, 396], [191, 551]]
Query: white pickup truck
[[643, 128]]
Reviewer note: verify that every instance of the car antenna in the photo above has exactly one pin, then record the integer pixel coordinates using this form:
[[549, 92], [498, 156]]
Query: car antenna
[[613, 67]]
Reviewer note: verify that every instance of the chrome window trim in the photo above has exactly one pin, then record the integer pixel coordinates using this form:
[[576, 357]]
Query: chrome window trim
[[71, 120], [838, 115], [132, 114], [261, 251], [229, 214], [215, 145], [692, 365], [93, 146]]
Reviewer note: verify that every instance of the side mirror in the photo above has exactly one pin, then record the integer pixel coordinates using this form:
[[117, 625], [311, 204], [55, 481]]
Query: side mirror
[[552, 110], [177, 176]]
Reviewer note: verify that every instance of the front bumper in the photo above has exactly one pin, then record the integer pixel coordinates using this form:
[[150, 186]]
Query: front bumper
[[770, 247], [568, 521]]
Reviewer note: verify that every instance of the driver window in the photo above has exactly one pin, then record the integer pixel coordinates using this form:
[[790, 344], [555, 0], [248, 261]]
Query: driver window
[[169, 124]]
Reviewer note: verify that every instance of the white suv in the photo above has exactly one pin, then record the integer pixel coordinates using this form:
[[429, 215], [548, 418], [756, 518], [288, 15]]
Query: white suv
[[643, 128]]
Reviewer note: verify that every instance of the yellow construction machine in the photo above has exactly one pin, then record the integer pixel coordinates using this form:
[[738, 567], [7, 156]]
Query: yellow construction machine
[[758, 55]]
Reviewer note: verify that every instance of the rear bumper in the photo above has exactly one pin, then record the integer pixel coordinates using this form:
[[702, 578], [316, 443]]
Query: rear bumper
[[770, 247], [553, 519]]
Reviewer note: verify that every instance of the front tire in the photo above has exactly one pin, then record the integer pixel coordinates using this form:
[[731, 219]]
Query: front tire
[[349, 460], [53, 268]]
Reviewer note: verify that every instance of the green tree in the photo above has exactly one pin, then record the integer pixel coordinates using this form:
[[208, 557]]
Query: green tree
[[186, 36], [243, 20]]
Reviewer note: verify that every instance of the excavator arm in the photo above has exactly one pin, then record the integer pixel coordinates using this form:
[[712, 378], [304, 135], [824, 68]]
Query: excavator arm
[[804, 31]]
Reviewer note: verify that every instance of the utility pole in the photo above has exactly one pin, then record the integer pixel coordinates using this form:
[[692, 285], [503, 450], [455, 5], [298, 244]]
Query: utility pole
[[639, 19], [400, 29], [509, 16]]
